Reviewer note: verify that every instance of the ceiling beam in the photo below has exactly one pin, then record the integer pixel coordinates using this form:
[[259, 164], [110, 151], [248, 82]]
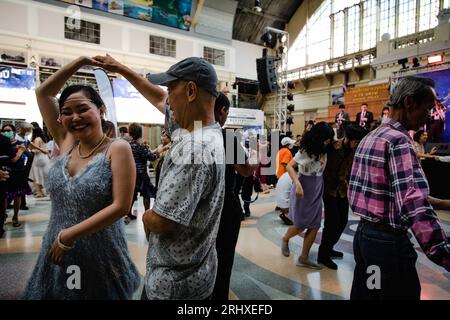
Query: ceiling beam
[[264, 15]]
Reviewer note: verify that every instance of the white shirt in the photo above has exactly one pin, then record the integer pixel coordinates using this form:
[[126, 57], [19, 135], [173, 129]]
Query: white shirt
[[310, 166], [283, 191]]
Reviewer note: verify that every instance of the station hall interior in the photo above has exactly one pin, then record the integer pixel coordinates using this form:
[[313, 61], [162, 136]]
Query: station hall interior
[[284, 67]]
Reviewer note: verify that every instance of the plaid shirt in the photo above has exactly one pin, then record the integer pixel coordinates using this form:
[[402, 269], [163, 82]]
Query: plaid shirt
[[388, 186]]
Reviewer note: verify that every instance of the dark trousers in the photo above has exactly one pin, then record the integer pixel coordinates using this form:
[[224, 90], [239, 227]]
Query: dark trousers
[[227, 237], [2, 206], [247, 190], [246, 183], [394, 255], [336, 218]]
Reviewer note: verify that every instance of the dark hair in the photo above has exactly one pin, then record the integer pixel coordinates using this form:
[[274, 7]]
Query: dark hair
[[9, 125], [313, 140], [165, 133], [108, 127], [418, 134], [135, 130], [364, 104], [354, 132], [221, 101], [417, 88], [341, 106], [38, 133], [385, 108], [123, 130], [88, 91]]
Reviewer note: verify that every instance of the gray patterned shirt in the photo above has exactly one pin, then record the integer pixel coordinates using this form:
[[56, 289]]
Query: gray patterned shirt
[[183, 263]]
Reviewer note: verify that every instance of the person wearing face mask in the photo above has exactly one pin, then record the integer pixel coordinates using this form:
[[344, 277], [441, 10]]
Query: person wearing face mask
[[335, 177], [18, 183]]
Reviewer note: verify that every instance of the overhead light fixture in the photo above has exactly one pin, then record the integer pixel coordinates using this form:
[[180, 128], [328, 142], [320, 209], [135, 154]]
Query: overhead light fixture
[[282, 50], [415, 62], [291, 107], [257, 6], [290, 96], [269, 40], [290, 120], [282, 37], [439, 58]]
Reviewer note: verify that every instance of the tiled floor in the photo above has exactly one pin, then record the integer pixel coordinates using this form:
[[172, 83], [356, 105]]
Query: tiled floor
[[260, 271]]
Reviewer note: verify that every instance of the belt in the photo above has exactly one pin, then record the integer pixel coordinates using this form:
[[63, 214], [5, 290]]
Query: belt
[[384, 227]]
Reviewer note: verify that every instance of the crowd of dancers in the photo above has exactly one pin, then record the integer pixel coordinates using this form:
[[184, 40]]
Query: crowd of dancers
[[193, 226]]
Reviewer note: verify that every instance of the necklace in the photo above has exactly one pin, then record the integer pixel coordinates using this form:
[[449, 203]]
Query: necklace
[[93, 149]]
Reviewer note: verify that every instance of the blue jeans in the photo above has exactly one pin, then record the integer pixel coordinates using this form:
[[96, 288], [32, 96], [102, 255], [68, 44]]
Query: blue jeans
[[393, 255]]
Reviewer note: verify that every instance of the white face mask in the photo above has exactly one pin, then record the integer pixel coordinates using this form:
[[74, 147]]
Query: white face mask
[[28, 135]]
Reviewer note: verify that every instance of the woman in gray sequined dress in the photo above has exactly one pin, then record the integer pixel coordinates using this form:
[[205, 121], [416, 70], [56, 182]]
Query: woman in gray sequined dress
[[84, 252]]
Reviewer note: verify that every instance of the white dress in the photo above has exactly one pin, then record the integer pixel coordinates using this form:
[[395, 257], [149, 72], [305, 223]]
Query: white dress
[[41, 163]]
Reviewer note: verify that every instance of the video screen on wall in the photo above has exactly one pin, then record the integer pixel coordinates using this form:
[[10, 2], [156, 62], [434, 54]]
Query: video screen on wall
[[172, 13]]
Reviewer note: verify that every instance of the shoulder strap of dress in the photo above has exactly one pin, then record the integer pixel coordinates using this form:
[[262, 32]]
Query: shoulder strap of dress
[[107, 148]]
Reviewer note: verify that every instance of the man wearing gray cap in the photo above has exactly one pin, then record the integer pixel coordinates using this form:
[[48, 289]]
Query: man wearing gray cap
[[182, 225]]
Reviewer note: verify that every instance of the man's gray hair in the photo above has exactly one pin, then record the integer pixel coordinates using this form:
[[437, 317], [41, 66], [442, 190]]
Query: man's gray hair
[[25, 125], [418, 88]]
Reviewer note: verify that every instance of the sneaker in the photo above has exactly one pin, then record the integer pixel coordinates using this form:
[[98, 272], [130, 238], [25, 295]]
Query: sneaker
[[336, 254], [285, 248], [307, 264], [327, 262]]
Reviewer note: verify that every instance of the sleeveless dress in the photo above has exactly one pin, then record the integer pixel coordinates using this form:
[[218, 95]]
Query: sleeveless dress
[[105, 267]]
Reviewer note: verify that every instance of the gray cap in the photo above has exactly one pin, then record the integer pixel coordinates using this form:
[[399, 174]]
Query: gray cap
[[191, 69]]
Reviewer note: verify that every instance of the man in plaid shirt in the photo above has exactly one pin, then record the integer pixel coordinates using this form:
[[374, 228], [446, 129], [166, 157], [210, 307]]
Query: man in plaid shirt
[[389, 191]]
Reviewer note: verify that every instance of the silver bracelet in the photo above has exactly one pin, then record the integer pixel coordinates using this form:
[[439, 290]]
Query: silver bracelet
[[61, 245]]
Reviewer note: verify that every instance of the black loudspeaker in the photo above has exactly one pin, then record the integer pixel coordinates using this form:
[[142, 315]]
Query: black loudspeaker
[[265, 68]]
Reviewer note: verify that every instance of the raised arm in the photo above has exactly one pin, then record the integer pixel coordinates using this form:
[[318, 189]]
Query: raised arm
[[46, 96], [153, 93]]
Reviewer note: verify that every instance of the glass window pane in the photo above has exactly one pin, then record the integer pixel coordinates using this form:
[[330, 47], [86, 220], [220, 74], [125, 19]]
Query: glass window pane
[[338, 36], [387, 18], [369, 24], [428, 12], [353, 30], [407, 14], [318, 38]]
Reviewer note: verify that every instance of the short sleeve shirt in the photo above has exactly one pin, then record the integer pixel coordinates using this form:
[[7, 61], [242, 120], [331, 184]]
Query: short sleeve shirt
[[310, 166], [283, 156], [183, 264]]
